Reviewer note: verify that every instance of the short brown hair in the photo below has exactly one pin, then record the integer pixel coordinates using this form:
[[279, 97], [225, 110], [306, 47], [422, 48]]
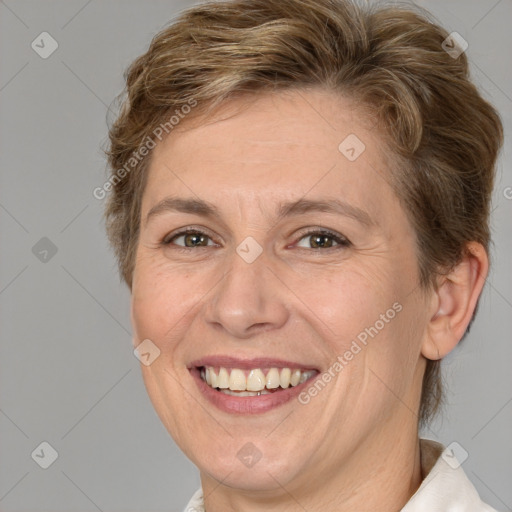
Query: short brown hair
[[388, 58]]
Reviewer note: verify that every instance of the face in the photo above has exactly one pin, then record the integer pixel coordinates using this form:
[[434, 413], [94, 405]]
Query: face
[[299, 256]]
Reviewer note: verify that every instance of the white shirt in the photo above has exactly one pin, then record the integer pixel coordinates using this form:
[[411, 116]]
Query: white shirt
[[445, 488]]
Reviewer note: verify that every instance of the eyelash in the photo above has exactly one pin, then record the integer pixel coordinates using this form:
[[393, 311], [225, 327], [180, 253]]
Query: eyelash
[[339, 239]]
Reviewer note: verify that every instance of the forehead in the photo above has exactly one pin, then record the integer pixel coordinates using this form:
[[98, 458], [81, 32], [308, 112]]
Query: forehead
[[268, 147]]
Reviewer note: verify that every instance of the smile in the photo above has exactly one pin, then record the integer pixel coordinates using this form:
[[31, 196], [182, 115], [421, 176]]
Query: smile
[[253, 382], [250, 386]]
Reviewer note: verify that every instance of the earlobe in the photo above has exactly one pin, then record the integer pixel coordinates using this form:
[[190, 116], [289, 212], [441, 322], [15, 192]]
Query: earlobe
[[454, 302]]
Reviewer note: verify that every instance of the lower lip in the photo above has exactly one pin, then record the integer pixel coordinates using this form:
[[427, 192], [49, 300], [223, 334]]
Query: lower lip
[[248, 404]]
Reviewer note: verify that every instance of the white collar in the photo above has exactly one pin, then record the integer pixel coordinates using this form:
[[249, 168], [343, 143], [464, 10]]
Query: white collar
[[444, 485]]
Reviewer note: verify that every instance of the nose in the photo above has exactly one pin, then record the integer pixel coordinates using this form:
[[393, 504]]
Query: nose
[[249, 299]]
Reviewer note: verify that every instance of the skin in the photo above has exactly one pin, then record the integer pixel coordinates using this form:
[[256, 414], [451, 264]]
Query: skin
[[355, 445]]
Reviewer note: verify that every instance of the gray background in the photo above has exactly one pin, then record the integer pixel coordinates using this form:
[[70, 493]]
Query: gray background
[[67, 372]]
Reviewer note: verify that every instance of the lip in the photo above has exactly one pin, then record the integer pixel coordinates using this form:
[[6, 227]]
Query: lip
[[248, 364], [248, 405]]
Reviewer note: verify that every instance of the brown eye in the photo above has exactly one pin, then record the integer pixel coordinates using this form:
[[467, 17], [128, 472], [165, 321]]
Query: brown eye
[[188, 239], [323, 240]]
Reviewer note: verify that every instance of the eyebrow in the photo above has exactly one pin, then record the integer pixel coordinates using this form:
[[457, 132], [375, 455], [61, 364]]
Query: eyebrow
[[285, 209]]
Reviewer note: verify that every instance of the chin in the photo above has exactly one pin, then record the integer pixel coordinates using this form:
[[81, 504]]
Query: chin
[[261, 477], [247, 467]]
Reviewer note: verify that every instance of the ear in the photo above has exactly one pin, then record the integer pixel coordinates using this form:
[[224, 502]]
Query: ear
[[454, 302]]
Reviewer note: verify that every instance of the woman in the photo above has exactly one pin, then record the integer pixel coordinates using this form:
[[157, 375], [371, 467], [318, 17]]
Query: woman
[[300, 208]]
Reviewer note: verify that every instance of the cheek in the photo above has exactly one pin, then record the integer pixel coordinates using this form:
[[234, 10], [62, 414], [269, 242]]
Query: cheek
[[394, 353], [159, 313], [373, 321], [165, 301], [157, 303], [348, 302]]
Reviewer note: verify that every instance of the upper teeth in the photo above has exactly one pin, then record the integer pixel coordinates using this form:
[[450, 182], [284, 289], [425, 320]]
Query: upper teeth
[[255, 380]]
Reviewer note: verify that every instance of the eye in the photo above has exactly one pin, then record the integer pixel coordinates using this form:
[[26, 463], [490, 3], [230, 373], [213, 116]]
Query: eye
[[318, 239], [190, 238], [323, 239]]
